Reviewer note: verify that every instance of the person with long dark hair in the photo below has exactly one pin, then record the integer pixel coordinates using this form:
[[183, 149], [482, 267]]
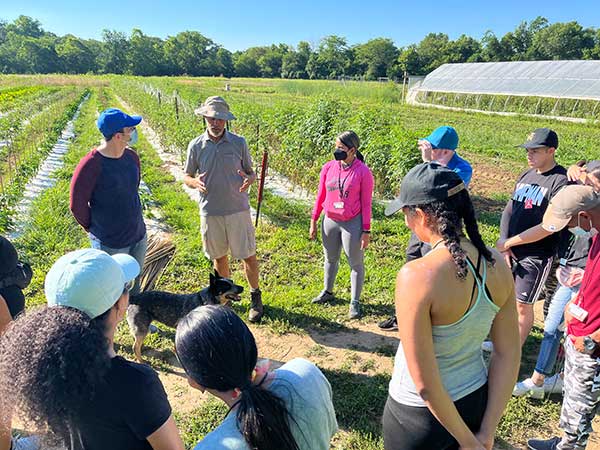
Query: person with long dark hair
[[61, 375], [441, 395], [289, 408], [345, 194]]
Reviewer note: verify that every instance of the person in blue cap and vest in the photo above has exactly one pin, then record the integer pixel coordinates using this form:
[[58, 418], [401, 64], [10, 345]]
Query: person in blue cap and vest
[[104, 190], [440, 147], [61, 375]]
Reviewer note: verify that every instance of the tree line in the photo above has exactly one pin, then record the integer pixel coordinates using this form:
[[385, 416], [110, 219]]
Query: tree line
[[25, 47]]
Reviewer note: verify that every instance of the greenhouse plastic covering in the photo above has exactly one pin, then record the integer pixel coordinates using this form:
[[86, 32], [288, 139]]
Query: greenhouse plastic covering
[[562, 79]]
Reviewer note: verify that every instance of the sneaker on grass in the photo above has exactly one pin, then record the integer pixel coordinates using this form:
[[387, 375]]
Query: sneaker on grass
[[548, 444], [354, 311], [324, 296], [390, 324], [528, 388]]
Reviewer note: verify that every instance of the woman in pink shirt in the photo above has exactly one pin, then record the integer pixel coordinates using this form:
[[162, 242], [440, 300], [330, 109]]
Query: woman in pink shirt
[[345, 193]]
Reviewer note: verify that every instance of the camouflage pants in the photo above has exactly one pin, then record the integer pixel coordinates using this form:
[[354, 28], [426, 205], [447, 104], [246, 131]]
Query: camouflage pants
[[581, 395]]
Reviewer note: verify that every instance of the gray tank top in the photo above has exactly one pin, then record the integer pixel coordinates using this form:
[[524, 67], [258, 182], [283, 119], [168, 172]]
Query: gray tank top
[[457, 350]]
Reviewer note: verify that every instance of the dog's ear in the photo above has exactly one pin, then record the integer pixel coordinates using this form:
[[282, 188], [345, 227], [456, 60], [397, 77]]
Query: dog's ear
[[217, 274], [212, 279]]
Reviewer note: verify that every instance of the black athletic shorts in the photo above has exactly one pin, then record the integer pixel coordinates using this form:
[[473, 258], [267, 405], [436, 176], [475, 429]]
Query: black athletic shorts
[[530, 275], [415, 428]]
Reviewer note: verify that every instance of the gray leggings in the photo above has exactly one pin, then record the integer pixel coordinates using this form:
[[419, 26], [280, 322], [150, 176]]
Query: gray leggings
[[336, 235]]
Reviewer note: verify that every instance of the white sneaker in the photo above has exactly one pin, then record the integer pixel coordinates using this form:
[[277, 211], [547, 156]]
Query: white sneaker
[[553, 384], [529, 389], [487, 346]]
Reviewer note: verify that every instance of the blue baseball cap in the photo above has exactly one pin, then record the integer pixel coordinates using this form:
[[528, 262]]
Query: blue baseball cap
[[89, 280], [443, 137], [113, 120]]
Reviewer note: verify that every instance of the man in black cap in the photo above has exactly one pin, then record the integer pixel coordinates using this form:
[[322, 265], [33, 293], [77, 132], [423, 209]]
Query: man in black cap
[[531, 263]]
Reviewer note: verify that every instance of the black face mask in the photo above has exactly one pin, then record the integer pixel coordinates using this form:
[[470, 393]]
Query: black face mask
[[340, 154]]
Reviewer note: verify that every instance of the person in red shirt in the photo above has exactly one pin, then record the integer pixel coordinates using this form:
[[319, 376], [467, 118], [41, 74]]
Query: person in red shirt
[[581, 395]]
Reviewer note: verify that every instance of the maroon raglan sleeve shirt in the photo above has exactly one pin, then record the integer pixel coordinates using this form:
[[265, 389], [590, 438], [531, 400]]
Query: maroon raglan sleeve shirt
[[104, 198]]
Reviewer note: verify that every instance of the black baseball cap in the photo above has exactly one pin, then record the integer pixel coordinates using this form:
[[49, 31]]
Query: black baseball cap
[[541, 137], [426, 183]]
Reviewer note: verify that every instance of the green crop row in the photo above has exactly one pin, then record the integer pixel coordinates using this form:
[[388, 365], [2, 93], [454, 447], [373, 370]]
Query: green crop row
[[299, 131], [16, 118], [13, 97], [29, 148]]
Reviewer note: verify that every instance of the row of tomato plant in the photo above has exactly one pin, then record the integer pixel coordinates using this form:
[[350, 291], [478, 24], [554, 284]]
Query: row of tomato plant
[[30, 147]]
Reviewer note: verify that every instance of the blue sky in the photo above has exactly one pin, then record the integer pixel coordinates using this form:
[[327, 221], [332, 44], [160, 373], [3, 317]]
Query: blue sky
[[239, 24]]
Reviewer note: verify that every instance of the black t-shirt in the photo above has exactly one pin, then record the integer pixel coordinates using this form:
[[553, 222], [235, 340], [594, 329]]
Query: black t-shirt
[[573, 251], [128, 407], [527, 206]]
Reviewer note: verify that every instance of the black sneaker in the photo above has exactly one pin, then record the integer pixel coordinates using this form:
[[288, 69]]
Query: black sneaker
[[324, 296], [549, 444], [390, 324]]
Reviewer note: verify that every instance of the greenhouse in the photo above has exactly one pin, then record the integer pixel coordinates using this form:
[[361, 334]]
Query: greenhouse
[[558, 88]]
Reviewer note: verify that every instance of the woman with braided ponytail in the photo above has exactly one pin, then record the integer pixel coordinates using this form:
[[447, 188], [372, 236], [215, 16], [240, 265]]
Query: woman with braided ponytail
[[289, 408], [447, 302]]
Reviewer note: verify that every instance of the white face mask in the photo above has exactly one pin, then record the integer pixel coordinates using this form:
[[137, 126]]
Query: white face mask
[[581, 233]]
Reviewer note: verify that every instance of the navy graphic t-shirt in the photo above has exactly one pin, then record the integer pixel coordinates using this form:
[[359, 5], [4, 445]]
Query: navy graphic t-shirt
[[527, 206]]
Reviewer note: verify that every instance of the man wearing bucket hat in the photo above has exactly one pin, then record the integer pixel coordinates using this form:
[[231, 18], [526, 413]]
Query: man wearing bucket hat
[[532, 262], [100, 400], [440, 147], [104, 197], [219, 165]]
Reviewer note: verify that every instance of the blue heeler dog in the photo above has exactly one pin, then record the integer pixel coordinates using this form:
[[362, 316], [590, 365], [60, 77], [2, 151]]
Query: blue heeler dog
[[168, 308]]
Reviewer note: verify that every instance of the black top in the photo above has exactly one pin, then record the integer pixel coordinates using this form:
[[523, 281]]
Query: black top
[[128, 407], [527, 206], [573, 251]]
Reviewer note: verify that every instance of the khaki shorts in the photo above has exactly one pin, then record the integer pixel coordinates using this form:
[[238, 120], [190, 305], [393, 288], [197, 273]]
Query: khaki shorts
[[234, 232]]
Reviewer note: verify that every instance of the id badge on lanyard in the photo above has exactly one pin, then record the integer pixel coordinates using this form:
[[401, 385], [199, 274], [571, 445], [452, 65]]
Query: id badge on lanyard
[[578, 312]]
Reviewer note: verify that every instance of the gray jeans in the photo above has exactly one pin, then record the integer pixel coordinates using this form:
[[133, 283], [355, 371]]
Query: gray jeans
[[337, 235], [137, 250]]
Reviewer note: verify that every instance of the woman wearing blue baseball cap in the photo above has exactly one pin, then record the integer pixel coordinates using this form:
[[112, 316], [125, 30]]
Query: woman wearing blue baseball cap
[[60, 372], [441, 395], [104, 197]]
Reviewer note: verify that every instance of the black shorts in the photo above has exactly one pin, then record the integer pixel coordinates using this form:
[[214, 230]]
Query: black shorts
[[415, 428], [530, 275]]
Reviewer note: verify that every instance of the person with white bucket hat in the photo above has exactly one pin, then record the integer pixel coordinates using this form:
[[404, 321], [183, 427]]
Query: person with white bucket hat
[[219, 165]]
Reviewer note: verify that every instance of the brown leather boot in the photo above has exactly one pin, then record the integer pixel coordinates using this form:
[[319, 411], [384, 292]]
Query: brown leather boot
[[256, 306]]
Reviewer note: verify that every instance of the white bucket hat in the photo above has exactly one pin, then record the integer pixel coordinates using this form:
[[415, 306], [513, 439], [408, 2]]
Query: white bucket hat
[[215, 107]]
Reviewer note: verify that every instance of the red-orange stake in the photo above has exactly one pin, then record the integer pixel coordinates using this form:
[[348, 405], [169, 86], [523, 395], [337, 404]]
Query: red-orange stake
[[261, 184]]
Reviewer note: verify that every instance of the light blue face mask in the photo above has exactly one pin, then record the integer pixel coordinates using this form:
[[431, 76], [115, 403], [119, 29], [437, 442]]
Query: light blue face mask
[[580, 232], [133, 138]]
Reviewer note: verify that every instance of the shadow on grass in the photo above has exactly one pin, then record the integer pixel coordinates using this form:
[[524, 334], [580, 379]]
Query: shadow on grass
[[334, 334], [358, 399]]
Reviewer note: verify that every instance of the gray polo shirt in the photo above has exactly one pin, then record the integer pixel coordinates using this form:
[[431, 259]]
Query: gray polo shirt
[[220, 161]]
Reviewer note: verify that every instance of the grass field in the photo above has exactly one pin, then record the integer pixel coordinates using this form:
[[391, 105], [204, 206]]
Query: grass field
[[298, 121]]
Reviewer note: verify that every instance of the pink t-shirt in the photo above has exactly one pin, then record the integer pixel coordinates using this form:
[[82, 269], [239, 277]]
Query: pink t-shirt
[[345, 192]]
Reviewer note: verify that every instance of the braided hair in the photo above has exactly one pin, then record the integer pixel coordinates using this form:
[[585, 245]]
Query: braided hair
[[447, 218]]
